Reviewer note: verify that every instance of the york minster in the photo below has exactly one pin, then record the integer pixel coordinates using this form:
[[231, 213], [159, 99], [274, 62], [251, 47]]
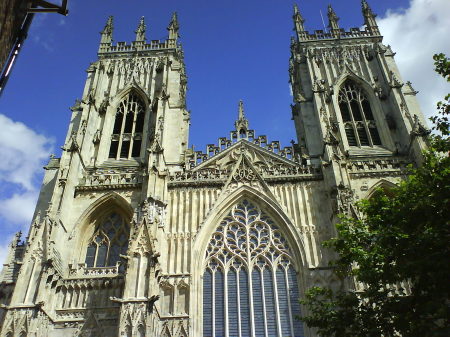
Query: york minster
[[137, 233]]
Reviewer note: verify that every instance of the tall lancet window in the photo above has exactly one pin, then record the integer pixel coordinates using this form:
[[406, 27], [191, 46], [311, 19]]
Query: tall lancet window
[[359, 123], [126, 138], [249, 285], [110, 239]]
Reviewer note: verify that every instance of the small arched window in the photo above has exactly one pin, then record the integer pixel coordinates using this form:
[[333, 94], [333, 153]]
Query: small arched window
[[359, 123], [126, 138], [110, 239], [249, 284]]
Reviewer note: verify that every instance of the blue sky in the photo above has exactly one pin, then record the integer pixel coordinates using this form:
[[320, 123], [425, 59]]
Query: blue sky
[[233, 50]]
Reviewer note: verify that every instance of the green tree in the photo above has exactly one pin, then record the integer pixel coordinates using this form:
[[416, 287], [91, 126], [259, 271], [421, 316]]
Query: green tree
[[399, 251]]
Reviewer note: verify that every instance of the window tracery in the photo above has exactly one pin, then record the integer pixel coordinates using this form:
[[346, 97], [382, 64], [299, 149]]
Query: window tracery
[[359, 123], [127, 134], [249, 285], [108, 242]]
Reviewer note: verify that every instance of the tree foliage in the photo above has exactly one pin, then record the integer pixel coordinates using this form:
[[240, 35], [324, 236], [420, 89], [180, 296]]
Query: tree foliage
[[398, 254]]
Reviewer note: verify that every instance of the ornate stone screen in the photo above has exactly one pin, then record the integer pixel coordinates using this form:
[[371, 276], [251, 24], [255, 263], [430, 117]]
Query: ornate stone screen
[[249, 285]]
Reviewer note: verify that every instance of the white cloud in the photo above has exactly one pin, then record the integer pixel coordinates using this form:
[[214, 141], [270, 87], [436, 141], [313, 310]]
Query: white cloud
[[4, 249], [23, 153], [19, 208], [416, 34]]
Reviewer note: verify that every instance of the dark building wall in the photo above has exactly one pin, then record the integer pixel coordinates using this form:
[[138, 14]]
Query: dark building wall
[[12, 15]]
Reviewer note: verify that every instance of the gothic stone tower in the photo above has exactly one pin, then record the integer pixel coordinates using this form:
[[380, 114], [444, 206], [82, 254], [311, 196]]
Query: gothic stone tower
[[135, 234]]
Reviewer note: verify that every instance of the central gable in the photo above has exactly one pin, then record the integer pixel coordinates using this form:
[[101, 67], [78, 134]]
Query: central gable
[[263, 160]]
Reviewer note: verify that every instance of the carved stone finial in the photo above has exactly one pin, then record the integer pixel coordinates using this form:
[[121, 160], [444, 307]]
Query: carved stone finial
[[369, 18], [17, 237], [108, 29], [173, 27], [366, 8], [140, 31], [241, 110], [298, 20], [332, 19], [106, 35], [241, 123]]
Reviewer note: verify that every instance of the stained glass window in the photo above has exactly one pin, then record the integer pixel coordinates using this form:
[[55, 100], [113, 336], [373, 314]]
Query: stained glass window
[[110, 239], [249, 285], [126, 138], [359, 123]]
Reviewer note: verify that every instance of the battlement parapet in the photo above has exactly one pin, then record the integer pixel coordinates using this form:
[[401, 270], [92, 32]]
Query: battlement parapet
[[306, 36], [137, 46]]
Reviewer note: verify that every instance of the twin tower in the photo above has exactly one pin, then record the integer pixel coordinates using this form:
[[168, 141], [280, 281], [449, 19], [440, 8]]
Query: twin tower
[[135, 234]]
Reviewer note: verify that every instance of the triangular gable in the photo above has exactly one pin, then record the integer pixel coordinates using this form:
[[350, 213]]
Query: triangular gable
[[245, 173], [143, 242], [92, 325], [261, 158]]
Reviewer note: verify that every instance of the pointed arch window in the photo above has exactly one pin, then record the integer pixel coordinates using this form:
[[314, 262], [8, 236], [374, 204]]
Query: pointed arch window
[[126, 138], [359, 123], [249, 284], [109, 241]]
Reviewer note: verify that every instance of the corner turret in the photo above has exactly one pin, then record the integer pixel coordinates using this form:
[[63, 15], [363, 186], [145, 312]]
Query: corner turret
[[140, 31], [333, 20], [299, 23], [369, 18], [106, 35], [173, 27]]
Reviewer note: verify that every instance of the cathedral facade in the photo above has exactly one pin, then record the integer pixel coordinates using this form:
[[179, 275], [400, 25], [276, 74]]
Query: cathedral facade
[[136, 234]]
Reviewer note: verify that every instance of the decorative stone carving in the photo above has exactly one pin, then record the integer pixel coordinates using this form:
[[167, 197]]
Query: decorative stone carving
[[153, 211], [81, 271], [395, 82], [47, 289], [243, 173], [133, 317], [419, 129], [103, 105], [378, 90], [377, 167], [97, 137], [270, 166], [344, 198], [110, 178], [409, 90], [319, 85]]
